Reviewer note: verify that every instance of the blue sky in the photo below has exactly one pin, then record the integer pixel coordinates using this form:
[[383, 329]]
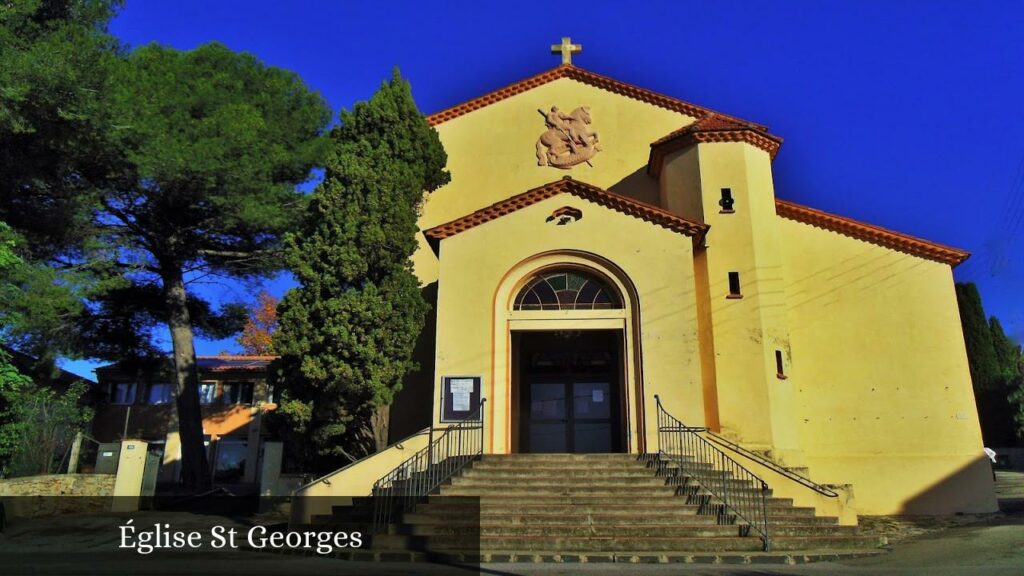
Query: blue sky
[[905, 114]]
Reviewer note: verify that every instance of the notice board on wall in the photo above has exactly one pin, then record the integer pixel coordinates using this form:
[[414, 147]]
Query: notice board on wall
[[460, 397]]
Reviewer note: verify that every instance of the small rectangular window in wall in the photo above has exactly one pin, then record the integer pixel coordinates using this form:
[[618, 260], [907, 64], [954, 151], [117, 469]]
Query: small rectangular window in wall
[[160, 393], [123, 393], [237, 393], [734, 285], [727, 202], [207, 392], [780, 368]]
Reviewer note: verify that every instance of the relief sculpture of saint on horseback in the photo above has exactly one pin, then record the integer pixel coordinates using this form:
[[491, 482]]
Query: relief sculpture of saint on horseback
[[567, 141]]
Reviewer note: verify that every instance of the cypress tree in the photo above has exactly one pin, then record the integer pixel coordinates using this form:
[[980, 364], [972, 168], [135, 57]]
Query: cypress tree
[[981, 353], [346, 335]]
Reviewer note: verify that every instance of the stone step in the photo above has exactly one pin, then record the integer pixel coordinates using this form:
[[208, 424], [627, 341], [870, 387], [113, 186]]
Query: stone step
[[603, 544], [563, 457], [551, 481], [618, 530], [533, 491], [777, 530], [664, 544], [713, 482], [553, 472], [832, 542], [637, 557], [689, 518], [577, 531], [807, 517], [520, 499], [555, 490], [552, 465], [675, 508], [627, 557]]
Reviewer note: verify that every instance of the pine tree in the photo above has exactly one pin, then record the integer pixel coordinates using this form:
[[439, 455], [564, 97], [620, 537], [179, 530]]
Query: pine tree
[[347, 333]]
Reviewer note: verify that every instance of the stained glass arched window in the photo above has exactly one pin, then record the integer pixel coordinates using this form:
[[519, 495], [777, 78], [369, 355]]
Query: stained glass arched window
[[566, 290]]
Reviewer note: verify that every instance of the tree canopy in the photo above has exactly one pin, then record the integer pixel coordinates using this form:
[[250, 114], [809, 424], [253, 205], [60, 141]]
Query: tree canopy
[[347, 333], [257, 337], [55, 62], [212, 145], [997, 371], [134, 174]]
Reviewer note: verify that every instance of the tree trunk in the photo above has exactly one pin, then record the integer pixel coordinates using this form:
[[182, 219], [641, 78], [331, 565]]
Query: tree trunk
[[195, 470], [381, 421]]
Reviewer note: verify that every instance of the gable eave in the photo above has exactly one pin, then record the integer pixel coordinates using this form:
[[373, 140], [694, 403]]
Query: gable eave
[[622, 204], [586, 77]]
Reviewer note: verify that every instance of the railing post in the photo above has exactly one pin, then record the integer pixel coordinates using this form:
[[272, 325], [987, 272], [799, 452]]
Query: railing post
[[430, 443]]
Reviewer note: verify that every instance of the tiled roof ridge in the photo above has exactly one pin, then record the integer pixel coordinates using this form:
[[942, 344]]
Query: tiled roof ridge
[[586, 77], [871, 233], [617, 202], [713, 128]]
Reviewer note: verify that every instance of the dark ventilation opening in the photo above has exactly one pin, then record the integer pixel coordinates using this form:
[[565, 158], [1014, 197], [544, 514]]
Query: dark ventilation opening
[[734, 285], [780, 369], [727, 201]]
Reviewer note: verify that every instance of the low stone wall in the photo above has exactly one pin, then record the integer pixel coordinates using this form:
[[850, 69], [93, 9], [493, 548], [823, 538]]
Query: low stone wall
[[52, 494]]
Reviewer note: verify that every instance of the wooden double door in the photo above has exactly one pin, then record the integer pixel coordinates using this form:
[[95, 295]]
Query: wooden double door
[[570, 392]]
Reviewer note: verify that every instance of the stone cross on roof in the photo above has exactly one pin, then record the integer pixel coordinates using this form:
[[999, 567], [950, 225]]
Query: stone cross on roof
[[567, 49]]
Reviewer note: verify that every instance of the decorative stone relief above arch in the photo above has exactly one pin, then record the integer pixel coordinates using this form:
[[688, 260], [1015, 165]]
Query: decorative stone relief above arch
[[567, 141]]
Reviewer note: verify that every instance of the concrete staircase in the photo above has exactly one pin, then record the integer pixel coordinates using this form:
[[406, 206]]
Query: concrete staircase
[[601, 507]]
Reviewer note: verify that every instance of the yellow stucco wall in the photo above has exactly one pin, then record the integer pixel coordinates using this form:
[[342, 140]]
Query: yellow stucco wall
[[355, 480], [482, 268], [745, 331], [884, 397], [491, 152], [877, 392]]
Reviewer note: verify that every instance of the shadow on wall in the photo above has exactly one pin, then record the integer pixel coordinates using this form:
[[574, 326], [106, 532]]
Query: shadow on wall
[[970, 489], [639, 185], [411, 410]]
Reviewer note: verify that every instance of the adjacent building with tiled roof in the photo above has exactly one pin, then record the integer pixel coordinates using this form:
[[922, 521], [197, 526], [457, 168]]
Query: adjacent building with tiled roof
[[136, 401]]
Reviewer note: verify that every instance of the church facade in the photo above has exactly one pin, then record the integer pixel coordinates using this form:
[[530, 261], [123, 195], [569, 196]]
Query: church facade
[[600, 245]]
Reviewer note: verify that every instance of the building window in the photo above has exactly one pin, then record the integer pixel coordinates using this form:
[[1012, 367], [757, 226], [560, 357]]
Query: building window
[[229, 461], [237, 393], [207, 392], [734, 285], [123, 393], [780, 368], [566, 290], [727, 201], [160, 393]]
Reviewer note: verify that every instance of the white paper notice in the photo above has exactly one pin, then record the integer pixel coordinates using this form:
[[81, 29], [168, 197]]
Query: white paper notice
[[461, 389], [597, 396]]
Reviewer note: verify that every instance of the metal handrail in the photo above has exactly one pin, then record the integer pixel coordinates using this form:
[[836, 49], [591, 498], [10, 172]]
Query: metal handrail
[[806, 482], [736, 489], [400, 490]]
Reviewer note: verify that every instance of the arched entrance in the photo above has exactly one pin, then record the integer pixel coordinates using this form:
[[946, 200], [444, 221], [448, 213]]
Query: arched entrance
[[570, 358]]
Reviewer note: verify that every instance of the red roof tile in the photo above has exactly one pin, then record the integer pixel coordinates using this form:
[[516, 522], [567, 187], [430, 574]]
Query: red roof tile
[[586, 77], [871, 233], [713, 128], [617, 202]]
